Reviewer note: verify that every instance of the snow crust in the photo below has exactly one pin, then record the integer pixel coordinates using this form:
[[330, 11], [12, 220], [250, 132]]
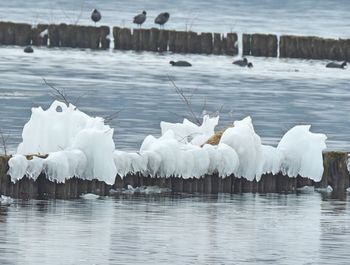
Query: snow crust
[[82, 146]]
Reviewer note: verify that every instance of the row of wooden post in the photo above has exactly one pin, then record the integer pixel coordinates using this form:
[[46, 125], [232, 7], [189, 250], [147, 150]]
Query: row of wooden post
[[335, 174], [266, 45]]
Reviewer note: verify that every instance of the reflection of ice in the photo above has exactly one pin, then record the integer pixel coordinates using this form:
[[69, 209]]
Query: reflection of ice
[[141, 190], [89, 196], [328, 189], [306, 189], [6, 200]]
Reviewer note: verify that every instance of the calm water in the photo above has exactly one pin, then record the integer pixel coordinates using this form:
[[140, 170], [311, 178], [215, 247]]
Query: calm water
[[311, 17], [276, 93], [238, 229]]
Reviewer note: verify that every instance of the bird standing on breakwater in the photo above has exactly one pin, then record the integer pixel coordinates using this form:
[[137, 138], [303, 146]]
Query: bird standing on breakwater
[[336, 65], [162, 18], [95, 16], [140, 18]]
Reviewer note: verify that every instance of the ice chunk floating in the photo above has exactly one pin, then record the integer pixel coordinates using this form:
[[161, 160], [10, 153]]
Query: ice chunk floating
[[77, 145]]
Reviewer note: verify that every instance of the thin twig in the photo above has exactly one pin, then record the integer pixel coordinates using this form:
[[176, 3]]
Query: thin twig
[[112, 116], [180, 92], [60, 94], [4, 142], [80, 13]]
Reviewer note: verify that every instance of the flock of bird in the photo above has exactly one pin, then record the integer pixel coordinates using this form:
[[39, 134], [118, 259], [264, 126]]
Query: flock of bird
[[163, 18], [139, 19]]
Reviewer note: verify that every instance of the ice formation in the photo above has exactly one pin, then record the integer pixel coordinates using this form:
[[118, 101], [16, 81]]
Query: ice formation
[[76, 144], [302, 152], [188, 132], [81, 146], [243, 139]]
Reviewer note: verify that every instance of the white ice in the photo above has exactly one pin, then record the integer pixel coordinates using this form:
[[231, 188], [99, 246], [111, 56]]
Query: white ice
[[82, 146], [302, 152], [188, 132], [77, 145]]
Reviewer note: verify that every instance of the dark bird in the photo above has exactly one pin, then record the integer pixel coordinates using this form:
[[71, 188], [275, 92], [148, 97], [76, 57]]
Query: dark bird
[[242, 63], [180, 63], [95, 16], [250, 65], [28, 49], [140, 18], [336, 65], [162, 18]]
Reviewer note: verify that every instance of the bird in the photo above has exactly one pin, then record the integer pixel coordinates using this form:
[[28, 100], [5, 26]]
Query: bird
[[140, 18], [162, 18], [241, 63], [250, 65], [28, 49], [180, 63], [95, 16], [336, 65]]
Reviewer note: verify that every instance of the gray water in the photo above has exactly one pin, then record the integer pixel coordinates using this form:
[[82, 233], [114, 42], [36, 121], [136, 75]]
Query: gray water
[[309, 228], [278, 94]]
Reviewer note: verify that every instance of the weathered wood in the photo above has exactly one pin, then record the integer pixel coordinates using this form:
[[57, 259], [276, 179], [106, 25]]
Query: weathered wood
[[15, 33], [231, 44], [247, 38], [335, 174], [206, 43], [308, 47], [264, 45], [163, 41], [54, 37], [104, 37], [181, 42], [335, 171], [218, 44], [122, 38], [38, 37], [193, 44], [154, 40]]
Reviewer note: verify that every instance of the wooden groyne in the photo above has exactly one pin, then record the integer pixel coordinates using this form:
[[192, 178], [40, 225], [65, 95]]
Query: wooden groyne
[[156, 40], [335, 174]]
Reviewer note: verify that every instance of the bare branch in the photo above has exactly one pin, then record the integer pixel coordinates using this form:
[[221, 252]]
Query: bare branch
[[182, 95], [4, 142], [60, 95], [112, 116], [204, 104], [80, 13]]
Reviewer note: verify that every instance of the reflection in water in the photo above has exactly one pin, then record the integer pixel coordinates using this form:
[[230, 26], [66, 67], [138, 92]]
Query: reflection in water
[[242, 228]]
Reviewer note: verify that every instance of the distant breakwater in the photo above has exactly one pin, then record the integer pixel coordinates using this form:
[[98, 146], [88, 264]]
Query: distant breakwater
[[187, 42], [335, 175]]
